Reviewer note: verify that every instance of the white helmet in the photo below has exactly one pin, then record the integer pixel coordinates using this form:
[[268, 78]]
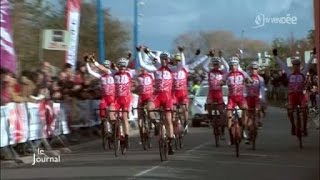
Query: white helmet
[[107, 63], [234, 60], [215, 60], [123, 62], [254, 65], [165, 55]]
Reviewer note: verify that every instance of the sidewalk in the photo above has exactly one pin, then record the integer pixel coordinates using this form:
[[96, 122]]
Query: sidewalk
[[81, 141]]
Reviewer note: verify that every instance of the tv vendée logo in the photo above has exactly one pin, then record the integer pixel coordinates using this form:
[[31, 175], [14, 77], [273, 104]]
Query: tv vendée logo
[[261, 20]]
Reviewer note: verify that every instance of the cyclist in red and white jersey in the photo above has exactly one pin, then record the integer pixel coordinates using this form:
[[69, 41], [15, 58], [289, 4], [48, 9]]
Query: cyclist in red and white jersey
[[162, 95], [235, 80], [255, 91], [180, 79], [145, 81], [216, 77], [122, 80], [296, 87], [107, 88]]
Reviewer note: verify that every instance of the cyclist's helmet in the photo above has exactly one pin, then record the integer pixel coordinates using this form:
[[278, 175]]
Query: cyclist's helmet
[[215, 60], [122, 62], [295, 61], [254, 65], [107, 63], [177, 57], [165, 55], [234, 60]]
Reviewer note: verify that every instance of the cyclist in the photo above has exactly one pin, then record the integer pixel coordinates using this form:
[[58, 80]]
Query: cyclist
[[107, 85], [180, 83], [216, 78], [122, 81], [162, 95], [296, 86], [235, 80], [145, 81], [255, 92]]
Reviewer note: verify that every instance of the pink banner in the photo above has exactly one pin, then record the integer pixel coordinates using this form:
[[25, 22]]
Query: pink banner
[[8, 56], [73, 23]]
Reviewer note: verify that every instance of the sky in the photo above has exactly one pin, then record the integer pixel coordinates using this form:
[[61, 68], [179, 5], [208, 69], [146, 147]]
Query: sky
[[162, 21]]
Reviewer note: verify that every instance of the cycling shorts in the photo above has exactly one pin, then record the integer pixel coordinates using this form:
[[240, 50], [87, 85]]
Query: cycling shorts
[[240, 101], [122, 103], [215, 96], [253, 102], [163, 99], [180, 97], [295, 99], [144, 99], [105, 102]]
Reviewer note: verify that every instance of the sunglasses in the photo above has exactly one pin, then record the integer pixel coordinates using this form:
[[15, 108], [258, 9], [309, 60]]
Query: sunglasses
[[255, 68]]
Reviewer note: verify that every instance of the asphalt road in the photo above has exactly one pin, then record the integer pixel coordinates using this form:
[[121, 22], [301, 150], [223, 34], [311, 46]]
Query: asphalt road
[[277, 157]]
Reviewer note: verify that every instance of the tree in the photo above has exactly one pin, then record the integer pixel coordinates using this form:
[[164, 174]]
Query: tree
[[224, 40], [30, 17]]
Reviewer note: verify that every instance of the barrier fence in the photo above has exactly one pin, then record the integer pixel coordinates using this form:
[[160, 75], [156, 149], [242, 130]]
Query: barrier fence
[[22, 122]]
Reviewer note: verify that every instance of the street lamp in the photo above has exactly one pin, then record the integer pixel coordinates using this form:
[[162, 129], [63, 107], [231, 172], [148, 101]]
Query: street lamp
[[137, 16]]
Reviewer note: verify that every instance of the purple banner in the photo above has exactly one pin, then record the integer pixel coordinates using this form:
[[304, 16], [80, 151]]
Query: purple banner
[[8, 56]]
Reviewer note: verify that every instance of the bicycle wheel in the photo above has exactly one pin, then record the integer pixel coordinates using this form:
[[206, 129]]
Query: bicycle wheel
[[253, 133], [216, 131], [299, 131], [236, 130], [116, 138], [104, 139], [163, 145], [181, 141]]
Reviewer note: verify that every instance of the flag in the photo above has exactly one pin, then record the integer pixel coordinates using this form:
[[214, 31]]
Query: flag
[[8, 55]]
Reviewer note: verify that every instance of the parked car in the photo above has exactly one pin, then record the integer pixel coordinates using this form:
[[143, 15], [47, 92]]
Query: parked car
[[197, 105]]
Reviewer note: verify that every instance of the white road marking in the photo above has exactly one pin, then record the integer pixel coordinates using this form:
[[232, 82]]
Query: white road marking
[[158, 166]]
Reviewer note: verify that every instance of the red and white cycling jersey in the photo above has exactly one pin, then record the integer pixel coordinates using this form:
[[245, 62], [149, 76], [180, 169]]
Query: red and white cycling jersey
[[254, 89], [145, 84], [180, 81], [163, 80], [122, 82], [236, 83], [215, 79], [108, 86], [296, 83]]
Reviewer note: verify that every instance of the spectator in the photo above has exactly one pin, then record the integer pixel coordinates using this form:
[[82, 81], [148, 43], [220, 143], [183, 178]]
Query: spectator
[[28, 86]]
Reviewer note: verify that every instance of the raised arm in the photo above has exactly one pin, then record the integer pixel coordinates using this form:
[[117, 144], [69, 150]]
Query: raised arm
[[198, 60], [206, 65], [92, 72], [282, 65], [148, 67], [306, 67]]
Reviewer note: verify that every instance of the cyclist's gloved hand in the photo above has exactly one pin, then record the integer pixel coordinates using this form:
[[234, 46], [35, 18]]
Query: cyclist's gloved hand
[[146, 50], [129, 55], [181, 49], [138, 48], [198, 52], [211, 52], [275, 52], [92, 58], [86, 57]]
